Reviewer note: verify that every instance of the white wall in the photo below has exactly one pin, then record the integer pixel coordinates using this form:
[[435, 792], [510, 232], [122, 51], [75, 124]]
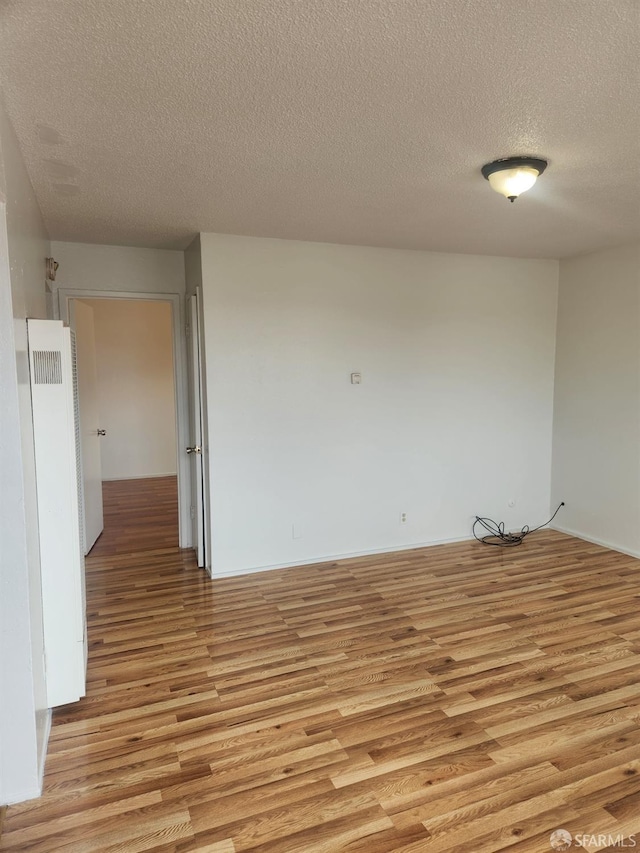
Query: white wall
[[193, 266], [453, 417], [24, 718], [136, 393], [596, 453], [85, 266]]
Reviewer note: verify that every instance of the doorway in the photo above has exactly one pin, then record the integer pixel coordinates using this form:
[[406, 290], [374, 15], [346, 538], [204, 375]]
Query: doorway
[[143, 415]]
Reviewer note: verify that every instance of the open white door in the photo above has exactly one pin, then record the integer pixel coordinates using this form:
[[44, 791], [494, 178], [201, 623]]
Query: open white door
[[90, 432], [58, 494], [196, 447]]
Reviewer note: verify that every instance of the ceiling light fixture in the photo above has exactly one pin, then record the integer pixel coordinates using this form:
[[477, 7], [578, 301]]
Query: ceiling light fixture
[[513, 175]]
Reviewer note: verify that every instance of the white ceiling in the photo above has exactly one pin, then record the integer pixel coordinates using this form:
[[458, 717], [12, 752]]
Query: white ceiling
[[143, 122]]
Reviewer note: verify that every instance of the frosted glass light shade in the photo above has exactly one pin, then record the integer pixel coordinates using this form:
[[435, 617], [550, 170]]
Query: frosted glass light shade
[[512, 182], [514, 175]]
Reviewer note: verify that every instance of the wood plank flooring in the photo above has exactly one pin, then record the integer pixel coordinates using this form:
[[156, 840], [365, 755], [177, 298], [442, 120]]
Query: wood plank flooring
[[139, 515], [456, 698]]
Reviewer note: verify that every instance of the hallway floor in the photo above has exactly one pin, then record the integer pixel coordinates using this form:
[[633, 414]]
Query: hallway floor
[[139, 515]]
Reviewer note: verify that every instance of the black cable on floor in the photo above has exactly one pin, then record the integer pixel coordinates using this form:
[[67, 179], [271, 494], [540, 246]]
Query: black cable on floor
[[496, 534]]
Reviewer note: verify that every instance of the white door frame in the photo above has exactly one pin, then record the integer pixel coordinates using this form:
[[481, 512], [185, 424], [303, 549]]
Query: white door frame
[[65, 294], [199, 468]]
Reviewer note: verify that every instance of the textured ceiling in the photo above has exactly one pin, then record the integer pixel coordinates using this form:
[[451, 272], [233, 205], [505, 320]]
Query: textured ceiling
[[349, 121]]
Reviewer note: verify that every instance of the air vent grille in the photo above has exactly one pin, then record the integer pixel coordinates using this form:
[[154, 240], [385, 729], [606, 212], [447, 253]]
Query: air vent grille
[[47, 367]]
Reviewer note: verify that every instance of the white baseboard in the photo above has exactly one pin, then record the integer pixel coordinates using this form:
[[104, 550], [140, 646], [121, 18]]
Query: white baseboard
[[332, 558], [613, 546], [32, 793], [139, 477], [23, 796]]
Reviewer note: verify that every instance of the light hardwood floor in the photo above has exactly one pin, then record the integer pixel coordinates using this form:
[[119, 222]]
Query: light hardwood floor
[[139, 515], [456, 698]]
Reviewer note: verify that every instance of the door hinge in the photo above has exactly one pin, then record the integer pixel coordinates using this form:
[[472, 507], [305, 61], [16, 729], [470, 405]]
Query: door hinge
[[193, 512]]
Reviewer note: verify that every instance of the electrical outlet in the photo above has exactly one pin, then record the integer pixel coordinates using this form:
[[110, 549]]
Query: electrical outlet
[[403, 518]]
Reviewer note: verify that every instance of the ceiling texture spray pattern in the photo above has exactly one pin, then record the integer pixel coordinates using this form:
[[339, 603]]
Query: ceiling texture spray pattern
[[348, 121]]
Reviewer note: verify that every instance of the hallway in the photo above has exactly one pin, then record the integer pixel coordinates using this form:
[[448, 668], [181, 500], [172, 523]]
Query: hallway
[[139, 515]]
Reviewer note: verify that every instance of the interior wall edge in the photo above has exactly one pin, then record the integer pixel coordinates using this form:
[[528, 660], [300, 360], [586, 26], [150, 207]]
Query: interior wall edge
[[44, 719]]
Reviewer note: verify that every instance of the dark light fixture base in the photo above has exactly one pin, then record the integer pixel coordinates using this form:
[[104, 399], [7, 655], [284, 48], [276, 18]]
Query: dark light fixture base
[[514, 163]]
